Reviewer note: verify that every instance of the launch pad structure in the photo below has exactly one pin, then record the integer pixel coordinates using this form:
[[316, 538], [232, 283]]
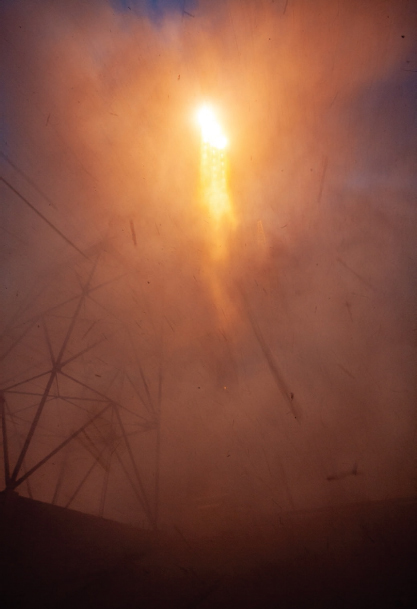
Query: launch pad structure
[[80, 407]]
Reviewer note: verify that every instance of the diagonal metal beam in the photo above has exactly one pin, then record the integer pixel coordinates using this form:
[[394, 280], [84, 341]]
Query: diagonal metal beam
[[75, 397], [81, 483], [101, 285], [33, 426], [92, 449], [48, 341], [71, 359], [32, 378], [273, 367], [108, 311], [101, 395], [148, 510], [58, 397], [17, 341], [59, 447], [5, 443], [48, 222], [12, 418], [48, 311], [132, 484], [56, 368], [69, 331], [158, 446], [60, 478], [106, 477], [27, 302], [136, 390], [28, 179], [16, 412], [142, 375], [69, 401]]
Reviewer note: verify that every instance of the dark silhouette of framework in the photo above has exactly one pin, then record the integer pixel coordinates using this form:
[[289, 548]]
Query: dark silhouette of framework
[[104, 428]]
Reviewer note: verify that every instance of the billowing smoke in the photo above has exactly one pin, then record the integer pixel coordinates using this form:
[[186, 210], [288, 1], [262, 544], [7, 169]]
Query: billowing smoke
[[283, 374]]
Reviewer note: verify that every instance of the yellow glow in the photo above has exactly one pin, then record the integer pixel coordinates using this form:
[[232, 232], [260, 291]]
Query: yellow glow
[[210, 129], [216, 202], [214, 188], [215, 199]]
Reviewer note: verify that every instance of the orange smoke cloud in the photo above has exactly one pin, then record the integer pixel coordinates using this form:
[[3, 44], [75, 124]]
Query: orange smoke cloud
[[100, 107]]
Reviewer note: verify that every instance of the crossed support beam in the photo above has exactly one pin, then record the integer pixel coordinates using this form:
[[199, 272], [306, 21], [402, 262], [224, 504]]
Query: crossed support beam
[[12, 482], [14, 479], [5, 440]]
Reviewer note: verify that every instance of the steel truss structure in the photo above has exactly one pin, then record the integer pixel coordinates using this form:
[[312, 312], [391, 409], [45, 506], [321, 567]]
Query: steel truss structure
[[80, 404]]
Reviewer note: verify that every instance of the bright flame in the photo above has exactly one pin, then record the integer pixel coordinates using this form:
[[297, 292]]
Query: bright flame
[[216, 202], [210, 129], [214, 191]]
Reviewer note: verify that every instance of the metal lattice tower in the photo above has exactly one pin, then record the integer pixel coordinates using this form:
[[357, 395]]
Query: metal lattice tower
[[80, 404]]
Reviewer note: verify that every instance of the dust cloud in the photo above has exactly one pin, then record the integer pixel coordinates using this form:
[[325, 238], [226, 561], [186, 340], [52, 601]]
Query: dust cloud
[[280, 377]]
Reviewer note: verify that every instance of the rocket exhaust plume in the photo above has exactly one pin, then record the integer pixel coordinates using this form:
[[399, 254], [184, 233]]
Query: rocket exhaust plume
[[216, 204], [214, 171]]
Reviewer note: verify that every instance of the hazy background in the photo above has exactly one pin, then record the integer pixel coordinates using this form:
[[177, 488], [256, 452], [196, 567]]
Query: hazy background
[[283, 375]]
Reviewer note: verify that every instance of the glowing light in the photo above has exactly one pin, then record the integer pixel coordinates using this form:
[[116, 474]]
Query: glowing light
[[214, 191], [210, 129], [215, 201]]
